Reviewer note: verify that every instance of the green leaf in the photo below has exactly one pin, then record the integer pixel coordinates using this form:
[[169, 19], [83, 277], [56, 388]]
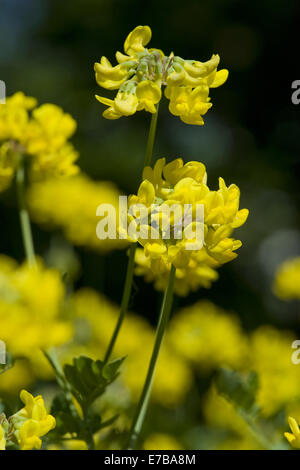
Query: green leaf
[[110, 370], [239, 389], [66, 421], [88, 379]]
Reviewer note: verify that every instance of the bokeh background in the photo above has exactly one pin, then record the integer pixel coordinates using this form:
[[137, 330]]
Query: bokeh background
[[250, 137]]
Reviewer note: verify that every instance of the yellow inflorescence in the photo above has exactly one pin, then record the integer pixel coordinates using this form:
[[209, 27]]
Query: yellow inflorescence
[[40, 134], [287, 280], [208, 337], [30, 308], [71, 204], [200, 272], [270, 357], [141, 73], [31, 422], [178, 185]]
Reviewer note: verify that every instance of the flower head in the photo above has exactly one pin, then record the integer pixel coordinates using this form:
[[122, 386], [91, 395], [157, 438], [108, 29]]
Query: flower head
[[141, 73], [39, 134], [31, 422], [294, 437], [164, 218]]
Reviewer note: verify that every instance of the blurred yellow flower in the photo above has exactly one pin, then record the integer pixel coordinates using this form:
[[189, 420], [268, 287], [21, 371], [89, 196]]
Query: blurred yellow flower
[[39, 134], [31, 422], [139, 76], [30, 308], [20, 375], [294, 437], [287, 280], [209, 337], [161, 441], [71, 204], [270, 357]]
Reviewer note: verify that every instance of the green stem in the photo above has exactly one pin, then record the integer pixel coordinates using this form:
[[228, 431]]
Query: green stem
[[130, 267], [23, 214], [151, 138], [161, 328], [124, 303]]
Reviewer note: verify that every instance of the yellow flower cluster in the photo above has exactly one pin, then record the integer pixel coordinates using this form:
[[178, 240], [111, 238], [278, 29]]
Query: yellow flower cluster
[[294, 436], [184, 185], [38, 133], [32, 422], [287, 280], [71, 204], [200, 272], [270, 356], [141, 72], [31, 299], [208, 337]]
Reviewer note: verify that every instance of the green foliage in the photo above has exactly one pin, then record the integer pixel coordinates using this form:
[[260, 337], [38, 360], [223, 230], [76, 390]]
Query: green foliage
[[240, 390], [85, 380], [89, 379]]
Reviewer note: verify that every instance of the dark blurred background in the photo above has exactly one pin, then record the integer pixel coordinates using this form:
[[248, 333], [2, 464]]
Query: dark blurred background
[[250, 137]]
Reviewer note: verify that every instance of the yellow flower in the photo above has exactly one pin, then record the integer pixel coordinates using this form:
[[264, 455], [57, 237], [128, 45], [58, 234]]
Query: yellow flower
[[287, 280], [32, 422], [294, 437], [190, 104], [270, 357], [137, 39], [200, 272], [39, 134], [8, 163], [148, 95], [31, 302], [172, 194], [71, 204], [197, 333], [141, 73]]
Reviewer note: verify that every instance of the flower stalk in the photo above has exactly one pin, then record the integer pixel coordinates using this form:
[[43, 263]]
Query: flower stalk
[[23, 214], [130, 267], [161, 328]]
